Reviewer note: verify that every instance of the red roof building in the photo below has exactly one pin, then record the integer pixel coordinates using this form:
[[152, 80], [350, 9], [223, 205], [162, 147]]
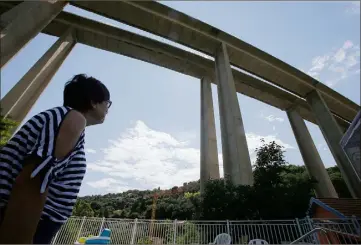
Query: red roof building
[[332, 212]]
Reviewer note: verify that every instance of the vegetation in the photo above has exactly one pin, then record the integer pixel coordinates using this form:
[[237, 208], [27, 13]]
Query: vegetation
[[280, 191], [6, 126]]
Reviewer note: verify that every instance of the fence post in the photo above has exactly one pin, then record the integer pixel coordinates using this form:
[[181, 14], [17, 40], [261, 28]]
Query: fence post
[[299, 227], [81, 227], [134, 231], [356, 224], [56, 236], [102, 225], [228, 230], [175, 231], [310, 222]]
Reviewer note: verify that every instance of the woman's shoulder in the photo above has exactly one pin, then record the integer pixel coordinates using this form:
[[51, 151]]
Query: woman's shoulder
[[62, 110], [58, 112]]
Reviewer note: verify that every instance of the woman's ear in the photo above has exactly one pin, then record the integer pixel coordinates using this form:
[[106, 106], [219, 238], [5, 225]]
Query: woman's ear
[[94, 105]]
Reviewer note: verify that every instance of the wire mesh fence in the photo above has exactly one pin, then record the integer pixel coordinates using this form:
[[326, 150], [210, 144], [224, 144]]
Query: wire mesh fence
[[129, 231]]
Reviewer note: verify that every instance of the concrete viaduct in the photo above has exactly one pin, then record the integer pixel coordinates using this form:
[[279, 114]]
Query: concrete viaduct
[[236, 67]]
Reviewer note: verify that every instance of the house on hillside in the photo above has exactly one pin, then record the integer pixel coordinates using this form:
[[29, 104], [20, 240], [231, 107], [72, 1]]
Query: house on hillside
[[338, 214]]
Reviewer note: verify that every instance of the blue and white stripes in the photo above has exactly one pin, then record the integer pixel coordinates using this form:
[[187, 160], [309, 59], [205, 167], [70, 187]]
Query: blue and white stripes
[[63, 177]]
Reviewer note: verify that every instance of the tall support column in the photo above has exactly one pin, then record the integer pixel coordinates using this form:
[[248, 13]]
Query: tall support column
[[236, 160], [20, 99], [315, 167], [209, 152], [333, 134], [23, 22]]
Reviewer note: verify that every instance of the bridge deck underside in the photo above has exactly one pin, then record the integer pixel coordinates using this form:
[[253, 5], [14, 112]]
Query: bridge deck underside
[[113, 39], [161, 20]]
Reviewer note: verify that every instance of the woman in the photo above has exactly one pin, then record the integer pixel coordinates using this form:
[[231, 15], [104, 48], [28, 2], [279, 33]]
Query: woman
[[43, 164]]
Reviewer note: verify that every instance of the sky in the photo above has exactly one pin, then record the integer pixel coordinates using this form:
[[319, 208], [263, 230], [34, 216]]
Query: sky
[[151, 136]]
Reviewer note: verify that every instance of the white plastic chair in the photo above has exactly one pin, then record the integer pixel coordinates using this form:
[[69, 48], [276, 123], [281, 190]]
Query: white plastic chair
[[258, 242], [222, 238]]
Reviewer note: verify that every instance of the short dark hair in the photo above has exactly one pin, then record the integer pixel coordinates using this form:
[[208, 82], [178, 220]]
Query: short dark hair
[[82, 90]]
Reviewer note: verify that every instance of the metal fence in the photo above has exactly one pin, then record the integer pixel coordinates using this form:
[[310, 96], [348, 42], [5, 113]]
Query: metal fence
[[129, 231]]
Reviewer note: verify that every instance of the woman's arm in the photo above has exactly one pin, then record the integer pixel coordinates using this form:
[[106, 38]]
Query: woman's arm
[[26, 203]]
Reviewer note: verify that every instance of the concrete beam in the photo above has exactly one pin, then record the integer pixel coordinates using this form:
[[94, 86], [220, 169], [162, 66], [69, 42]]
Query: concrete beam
[[315, 167], [153, 17], [236, 160], [333, 134], [109, 38], [22, 23], [209, 152], [20, 99], [119, 41]]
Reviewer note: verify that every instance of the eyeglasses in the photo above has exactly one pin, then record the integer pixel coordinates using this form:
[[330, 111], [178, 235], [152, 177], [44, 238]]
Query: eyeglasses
[[109, 103]]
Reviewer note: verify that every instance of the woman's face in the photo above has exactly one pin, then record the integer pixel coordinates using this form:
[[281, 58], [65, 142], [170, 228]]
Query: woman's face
[[100, 111]]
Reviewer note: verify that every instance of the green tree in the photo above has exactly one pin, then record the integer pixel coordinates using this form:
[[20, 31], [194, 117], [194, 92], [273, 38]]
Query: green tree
[[82, 208], [277, 185], [6, 127], [269, 165], [338, 182]]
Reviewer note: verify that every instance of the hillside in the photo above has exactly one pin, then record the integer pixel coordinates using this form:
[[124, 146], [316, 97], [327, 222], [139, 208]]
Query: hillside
[[178, 202]]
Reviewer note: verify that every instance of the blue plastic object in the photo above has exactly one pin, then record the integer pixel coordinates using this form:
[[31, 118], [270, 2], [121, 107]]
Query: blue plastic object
[[97, 240], [104, 238], [105, 233]]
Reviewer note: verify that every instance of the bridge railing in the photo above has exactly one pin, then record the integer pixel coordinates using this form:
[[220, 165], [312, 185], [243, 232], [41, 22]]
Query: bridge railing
[[138, 231]]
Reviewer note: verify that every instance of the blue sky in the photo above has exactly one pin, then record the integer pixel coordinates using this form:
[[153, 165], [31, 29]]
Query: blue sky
[[151, 136]]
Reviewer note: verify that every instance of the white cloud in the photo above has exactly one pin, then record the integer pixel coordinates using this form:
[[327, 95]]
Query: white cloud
[[143, 158], [272, 118], [340, 55], [254, 141], [109, 184], [319, 62], [337, 65], [348, 44], [91, 151], [321, 146]]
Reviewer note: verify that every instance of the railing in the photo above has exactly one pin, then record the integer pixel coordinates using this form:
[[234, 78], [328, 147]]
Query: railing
[[129, 231], [345, 231], [335, 236], [306, 236]]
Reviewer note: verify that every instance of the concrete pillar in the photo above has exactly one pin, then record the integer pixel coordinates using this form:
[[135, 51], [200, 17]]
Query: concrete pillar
[[236, 160], [333, 134], [315, 167], [23, 22], [209, 152], [20, 99]]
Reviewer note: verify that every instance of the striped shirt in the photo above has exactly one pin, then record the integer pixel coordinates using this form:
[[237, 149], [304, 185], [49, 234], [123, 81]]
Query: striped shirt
[[62, 177]]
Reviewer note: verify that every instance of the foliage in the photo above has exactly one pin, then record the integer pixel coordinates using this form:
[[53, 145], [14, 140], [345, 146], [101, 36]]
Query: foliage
[[276, 187], [338, 182], [145, 240], [6, 126], [190, 195], [82, 208], [188, 234], [270, 164], [280, 191]]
